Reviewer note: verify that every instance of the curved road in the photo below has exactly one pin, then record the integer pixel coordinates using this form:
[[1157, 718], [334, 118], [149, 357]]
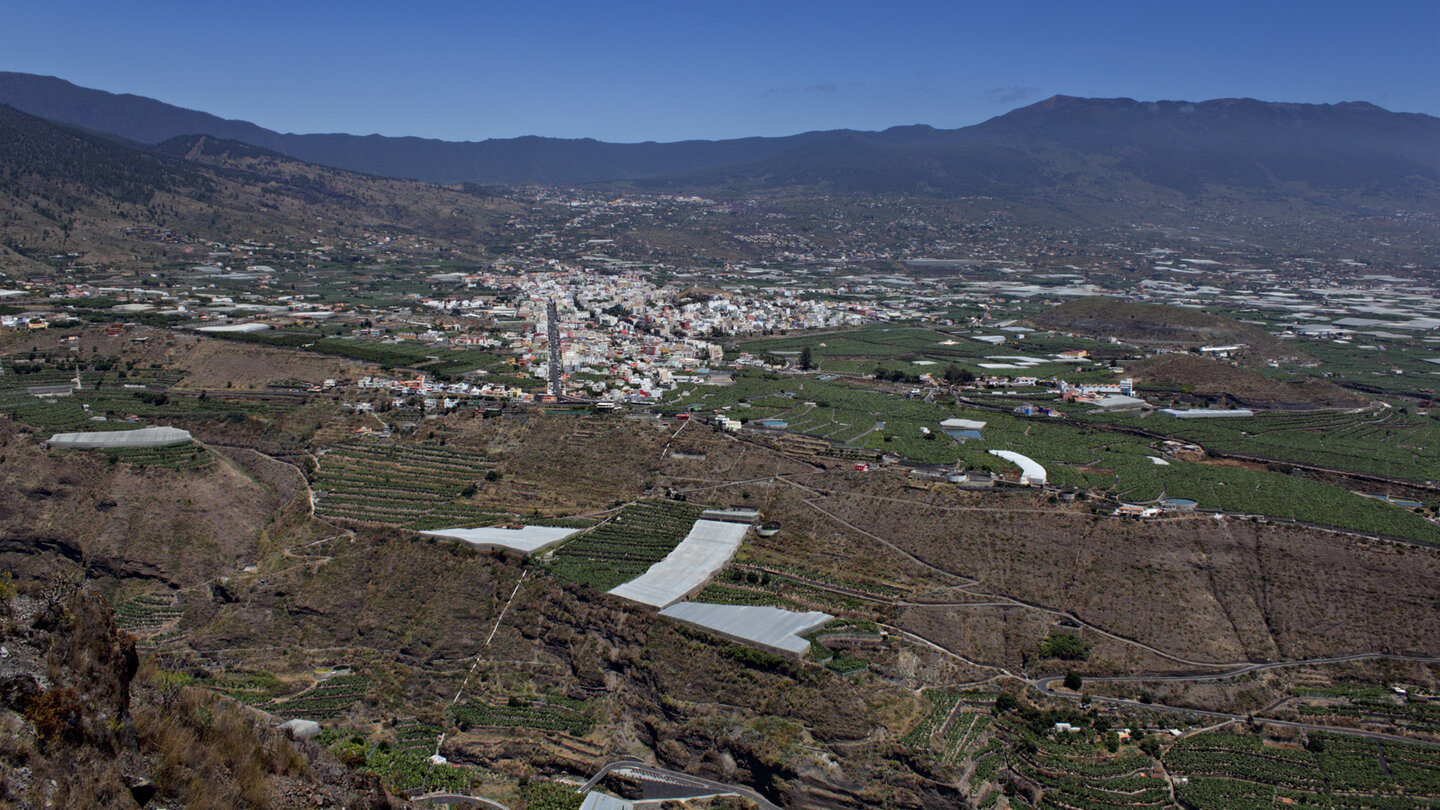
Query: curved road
[[458, 799], [703, 787]]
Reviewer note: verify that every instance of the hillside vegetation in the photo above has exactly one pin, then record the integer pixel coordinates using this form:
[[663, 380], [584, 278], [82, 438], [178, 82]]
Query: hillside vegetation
[[1201, 377], [1159, 325]]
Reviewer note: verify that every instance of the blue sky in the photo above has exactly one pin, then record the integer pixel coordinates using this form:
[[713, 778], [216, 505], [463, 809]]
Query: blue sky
[[630, 71]]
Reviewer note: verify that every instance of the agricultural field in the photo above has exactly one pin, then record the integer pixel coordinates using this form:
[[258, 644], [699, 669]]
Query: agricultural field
[[1388, 441], [441, 363], [917, 350], [184, 456], [1375, 366], [1087, 769], [795, 589], [398, 485], [950, 732], [253, 688], [1372, 704], [110, 409], [625, 546], [1073, 453], [146, 613], [415, 736], [327, 699], [1224, 769], [549, 714]]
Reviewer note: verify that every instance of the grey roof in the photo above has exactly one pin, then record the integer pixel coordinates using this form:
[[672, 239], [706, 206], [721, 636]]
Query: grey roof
[[301, 729], [526, 539], [705, 550], [595, 800], [144, 437], [766, 626], [1114, 401], [1206, 413], [963, 424]]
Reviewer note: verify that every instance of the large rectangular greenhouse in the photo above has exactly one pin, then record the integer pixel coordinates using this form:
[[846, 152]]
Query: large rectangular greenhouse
[[116, 439]]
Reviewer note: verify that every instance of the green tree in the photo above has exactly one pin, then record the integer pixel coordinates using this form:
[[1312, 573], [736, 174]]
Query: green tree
[[1073, 680], [1066, 646]]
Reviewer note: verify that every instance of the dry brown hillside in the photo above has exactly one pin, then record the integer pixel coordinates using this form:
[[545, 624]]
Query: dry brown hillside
[[1217, 380], [1159, 325]]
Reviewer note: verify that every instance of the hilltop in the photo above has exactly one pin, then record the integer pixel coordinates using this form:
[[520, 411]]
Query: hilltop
[[1159, 325], [1191, 377]]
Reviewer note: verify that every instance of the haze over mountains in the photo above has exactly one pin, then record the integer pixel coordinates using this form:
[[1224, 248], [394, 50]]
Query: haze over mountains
[[1349, 156]]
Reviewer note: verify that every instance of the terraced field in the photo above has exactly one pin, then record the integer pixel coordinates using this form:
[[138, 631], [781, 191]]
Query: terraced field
[[147, 613], [1227, 770], [397, 485], [548, 714], [1372, 705], [327, 699], [186, 456], [415, 736], [1071, 770]]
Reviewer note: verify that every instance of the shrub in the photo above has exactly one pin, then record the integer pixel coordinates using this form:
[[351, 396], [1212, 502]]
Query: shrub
[[1066, 646], [55, 714]]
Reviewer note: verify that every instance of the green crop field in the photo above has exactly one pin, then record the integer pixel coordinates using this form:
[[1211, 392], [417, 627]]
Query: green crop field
[[625, 546], [329, 698], [1382, 442], [1225, 770], [146, 612], [549, 714], [417, 486], [1370, 704], [1075, 770], [1073, 452]]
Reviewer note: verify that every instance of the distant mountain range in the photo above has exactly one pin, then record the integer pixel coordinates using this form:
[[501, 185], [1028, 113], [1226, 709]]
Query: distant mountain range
[[1346, 156]]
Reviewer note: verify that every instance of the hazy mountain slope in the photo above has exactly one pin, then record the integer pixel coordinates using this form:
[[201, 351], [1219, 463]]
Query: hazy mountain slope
[[134, 117], [66, 190], [1100, 152], [1084, 151], [1236, 142]]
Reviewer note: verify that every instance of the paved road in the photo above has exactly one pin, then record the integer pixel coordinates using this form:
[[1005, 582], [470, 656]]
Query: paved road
[[458, 799], [700, 786]]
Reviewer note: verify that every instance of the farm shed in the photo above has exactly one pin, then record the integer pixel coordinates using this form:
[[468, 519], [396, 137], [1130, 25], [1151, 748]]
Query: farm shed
[[962, 424], [1031, 473], [117, 439], [769, 627], [705, 550], [1120, 402]]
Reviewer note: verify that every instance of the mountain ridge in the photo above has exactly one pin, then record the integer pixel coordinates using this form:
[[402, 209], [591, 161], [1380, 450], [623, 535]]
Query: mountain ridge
[[1218, 141]]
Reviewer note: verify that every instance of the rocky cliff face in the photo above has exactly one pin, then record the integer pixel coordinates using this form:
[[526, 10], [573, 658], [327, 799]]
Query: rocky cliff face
[[83, 725]]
